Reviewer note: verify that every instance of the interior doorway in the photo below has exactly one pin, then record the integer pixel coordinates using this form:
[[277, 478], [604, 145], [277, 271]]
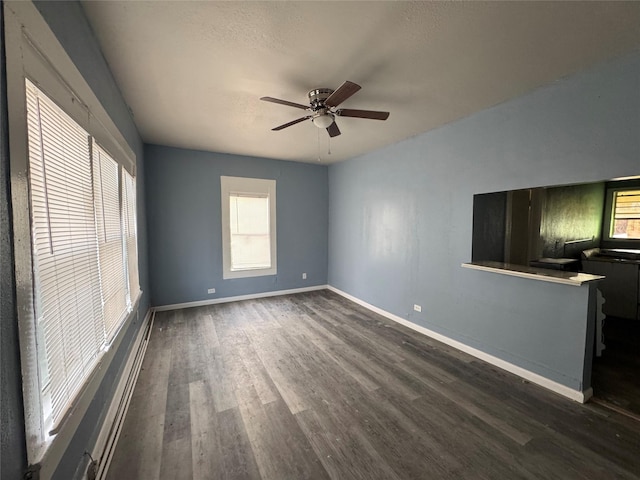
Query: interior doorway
[[616, 374]]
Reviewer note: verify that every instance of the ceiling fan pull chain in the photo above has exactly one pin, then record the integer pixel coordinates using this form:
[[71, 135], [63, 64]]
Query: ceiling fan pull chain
[[329, 146], [319, 145]]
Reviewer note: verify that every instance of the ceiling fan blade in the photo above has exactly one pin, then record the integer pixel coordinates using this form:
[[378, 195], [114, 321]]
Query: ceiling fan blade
[[291, 123], [343, 92], [333, 130], [373, 115], [284, 102]]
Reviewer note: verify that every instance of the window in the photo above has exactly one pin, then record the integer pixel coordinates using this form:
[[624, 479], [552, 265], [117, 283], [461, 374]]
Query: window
[[73, 202], [625, 215], [84, 250], [106, 180], [248, 227], [130, 234]]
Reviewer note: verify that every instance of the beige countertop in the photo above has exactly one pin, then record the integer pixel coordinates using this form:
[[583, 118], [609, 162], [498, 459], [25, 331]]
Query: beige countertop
[[546, 275]]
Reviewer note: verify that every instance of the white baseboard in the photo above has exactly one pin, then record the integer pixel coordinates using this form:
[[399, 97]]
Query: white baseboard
[[237, 298], [576, 395], [112, 425]]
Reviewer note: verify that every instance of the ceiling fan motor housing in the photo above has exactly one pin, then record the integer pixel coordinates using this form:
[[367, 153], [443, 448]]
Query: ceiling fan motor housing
[[317, 98], [322, 116]]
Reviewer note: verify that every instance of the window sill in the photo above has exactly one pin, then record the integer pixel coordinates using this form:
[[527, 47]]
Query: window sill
[[229, 275]]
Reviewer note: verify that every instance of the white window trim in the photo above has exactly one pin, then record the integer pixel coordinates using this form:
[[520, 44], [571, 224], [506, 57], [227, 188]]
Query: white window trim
[[259, 186], [34, 52], [608, 218]]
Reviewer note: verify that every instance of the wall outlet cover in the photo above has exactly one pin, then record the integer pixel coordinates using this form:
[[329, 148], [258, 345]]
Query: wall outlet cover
[[417, 308], [211, 290], [304, 276]]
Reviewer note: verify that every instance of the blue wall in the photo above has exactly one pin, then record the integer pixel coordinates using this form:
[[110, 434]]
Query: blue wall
[[69, 24], [400, 218], [185, 239]]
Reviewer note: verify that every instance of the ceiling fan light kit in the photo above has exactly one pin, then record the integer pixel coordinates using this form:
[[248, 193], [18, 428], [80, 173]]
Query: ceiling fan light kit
[[322, 108], [322, 120]]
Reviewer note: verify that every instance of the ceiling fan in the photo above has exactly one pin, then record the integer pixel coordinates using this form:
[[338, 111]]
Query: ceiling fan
[[322, 108]]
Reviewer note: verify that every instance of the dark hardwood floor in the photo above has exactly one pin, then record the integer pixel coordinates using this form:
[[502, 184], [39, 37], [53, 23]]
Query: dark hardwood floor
[[313, 386], [616, 375]]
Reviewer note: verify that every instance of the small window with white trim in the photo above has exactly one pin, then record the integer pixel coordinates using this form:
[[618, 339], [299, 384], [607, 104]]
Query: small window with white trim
[[248, 227], [622, 216]]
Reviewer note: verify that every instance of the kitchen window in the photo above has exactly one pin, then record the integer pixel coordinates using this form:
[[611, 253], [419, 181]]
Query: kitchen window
[[625, 216]]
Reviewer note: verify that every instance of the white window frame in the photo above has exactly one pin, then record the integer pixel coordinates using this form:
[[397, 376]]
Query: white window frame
[[247, 186], [33, 52], [609, 219]]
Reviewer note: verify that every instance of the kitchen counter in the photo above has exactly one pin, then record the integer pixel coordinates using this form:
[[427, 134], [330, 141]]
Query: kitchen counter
[[542, 274], [621, 288], [618, 255]]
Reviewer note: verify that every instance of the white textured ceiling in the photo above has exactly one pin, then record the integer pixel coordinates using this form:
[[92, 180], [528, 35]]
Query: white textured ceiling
[[193, 72]]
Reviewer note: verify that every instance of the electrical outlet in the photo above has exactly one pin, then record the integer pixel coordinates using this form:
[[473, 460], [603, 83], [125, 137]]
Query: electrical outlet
[[304, 276], [211, 290], [417, 308]]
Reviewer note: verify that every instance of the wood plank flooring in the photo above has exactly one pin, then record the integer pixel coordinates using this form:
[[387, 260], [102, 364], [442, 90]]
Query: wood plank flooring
[[313, 386]]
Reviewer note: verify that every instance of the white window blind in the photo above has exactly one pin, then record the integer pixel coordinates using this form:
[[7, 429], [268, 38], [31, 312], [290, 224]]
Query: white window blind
[[84, 251], [67, 283], [250, 239], [626, 215], [130, 233], [110, 246]]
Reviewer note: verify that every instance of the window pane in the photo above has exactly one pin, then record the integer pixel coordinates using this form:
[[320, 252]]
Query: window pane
[[109, 227], [626, 215], [249, 215], [131, 237], [249, 226]]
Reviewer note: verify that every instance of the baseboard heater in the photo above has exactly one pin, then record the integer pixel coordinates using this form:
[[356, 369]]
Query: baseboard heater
[[114, 420]]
